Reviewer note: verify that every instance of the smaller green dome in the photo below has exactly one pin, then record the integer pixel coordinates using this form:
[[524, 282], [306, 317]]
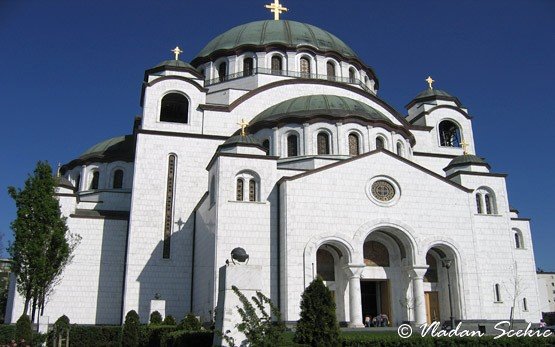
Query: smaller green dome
[[319, 105], [121, 146], [247, 140], [431, 93], [174, 63], [467, 159]]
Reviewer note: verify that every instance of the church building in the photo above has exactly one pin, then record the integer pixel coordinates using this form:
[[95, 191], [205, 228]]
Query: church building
[[274, 139]]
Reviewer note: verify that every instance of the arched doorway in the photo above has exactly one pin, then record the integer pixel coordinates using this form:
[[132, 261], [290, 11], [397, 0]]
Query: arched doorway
[[441, 286], [330, 262]]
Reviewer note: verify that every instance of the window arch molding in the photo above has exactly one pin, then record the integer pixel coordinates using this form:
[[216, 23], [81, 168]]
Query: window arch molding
[[330, 136], [91, 171], [216, 69], [285, 143], [311, 60], [488, 201], [248, 176], [276, 54], [353, 74], [384, 138], [243, 59], [112, 177], [400, 148], [518, 238], [169, 92], [361, 140], [439, 133], [336, 69]]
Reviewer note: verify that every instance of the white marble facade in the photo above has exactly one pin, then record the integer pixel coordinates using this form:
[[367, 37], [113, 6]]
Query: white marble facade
[[303, 204]]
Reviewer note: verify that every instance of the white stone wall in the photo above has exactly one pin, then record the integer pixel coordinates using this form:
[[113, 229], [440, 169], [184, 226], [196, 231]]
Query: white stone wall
[[546, 289]]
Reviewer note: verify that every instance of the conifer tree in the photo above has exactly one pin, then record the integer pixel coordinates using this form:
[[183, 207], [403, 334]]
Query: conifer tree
[[318, 324], [131, 330], [23, 330], [155, 318], [42, 245]]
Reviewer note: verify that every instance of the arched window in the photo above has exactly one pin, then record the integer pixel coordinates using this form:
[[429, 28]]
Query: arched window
[[94, 181], [174, 108], [202, 72], [380, 143], [497, 292], [517, 240], [375, 254], [449, 134], [399, 149], [489, 204], [239, 189], [431, 272], [118, 179], [524, 304], [354, 144], [352, 75], [266, 144], [330, 70], [325, 267], [292, 146], [212, 191], [305, 67], [277, 65], [323, 142], [78, 183], [252, 190], [222, 72], [479, 203], [248, 66]]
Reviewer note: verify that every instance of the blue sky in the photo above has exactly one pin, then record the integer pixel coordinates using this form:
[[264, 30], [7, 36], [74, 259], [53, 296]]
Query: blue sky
[[72, 73]]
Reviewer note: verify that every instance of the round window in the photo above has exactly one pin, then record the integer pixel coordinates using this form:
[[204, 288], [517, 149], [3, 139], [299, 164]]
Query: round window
[[383, 190]]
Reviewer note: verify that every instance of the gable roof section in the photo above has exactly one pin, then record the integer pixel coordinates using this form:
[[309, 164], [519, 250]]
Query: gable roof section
[[408, 162]]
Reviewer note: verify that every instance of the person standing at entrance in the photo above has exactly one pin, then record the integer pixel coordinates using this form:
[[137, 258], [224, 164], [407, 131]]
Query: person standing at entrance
[[367, 321]]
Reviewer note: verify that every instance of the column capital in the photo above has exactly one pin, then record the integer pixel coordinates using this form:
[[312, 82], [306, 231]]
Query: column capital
[[417, 272], [306, 125], [354, 270]]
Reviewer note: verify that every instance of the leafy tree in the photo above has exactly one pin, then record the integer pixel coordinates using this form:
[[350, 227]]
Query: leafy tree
[[131, 330], [155, 318], [263, 330], [61, 331], [169, 320], [190, 323], [318, 324], [42, 245], [23, 330]]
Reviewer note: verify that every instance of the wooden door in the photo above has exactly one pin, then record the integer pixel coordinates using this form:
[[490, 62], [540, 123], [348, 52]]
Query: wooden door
[[432, 306]]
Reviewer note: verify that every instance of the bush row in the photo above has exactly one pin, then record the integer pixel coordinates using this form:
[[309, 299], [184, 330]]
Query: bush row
[[383, 340]]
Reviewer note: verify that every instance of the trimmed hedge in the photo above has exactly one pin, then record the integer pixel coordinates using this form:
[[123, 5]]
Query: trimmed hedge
[[154, 333], [7, 333], [94, 335], [184, 338]]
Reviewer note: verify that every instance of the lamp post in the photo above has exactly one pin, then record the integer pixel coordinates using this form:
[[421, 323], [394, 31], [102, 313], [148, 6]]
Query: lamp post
[[447, 264]]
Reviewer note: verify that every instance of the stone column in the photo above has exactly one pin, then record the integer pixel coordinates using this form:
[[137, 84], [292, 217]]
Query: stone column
[[276, 148], [355, 302], [307, 140], [83, 181], [417, 276], [339, 144]]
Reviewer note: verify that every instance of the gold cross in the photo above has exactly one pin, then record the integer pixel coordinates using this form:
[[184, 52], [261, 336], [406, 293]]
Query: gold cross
[[430, 81], [243, 125], [177, 52], [276, 8], [464, 146]]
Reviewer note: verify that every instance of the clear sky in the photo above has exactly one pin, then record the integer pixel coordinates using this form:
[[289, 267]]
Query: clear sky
[[72, 71]]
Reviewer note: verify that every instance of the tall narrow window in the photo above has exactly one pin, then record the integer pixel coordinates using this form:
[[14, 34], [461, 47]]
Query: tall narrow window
[[168, 218], [517, 240], [222, 72], [479, 203], [330, 71], [354, 146], [449, 134], [118, 179], [323, 141], [399, 149], [78, 183], [212, 191], [174, 108], [305, 67], [380, 143], [487, 199], [239, 188], [95, 179], [248, 67], [524, 304], [276, 65], [252, 190], [497, 290], [352, 75], [266, 144], [292, 146]]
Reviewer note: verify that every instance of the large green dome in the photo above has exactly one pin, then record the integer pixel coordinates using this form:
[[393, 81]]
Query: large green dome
[[276, 32]]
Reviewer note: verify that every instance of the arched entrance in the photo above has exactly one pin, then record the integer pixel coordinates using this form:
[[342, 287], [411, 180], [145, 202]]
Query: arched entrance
[[441, 284], [330, 264]]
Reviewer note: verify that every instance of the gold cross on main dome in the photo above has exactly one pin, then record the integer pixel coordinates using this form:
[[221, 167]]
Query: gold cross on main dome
[[430, 81], [243, 125], [177, 51], [276, 8], [464, 146]]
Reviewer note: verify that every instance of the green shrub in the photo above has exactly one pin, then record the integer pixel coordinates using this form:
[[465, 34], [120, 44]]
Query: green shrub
[[131, 330], [155, 334], [23, 330], [94, 335], [184, 338], [7, 333], [169, 320], [190, 323], [155, 318], [318, 324], [392, 340]]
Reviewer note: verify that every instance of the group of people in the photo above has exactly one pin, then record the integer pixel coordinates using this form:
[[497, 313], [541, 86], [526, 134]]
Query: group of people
[[381, 320]]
